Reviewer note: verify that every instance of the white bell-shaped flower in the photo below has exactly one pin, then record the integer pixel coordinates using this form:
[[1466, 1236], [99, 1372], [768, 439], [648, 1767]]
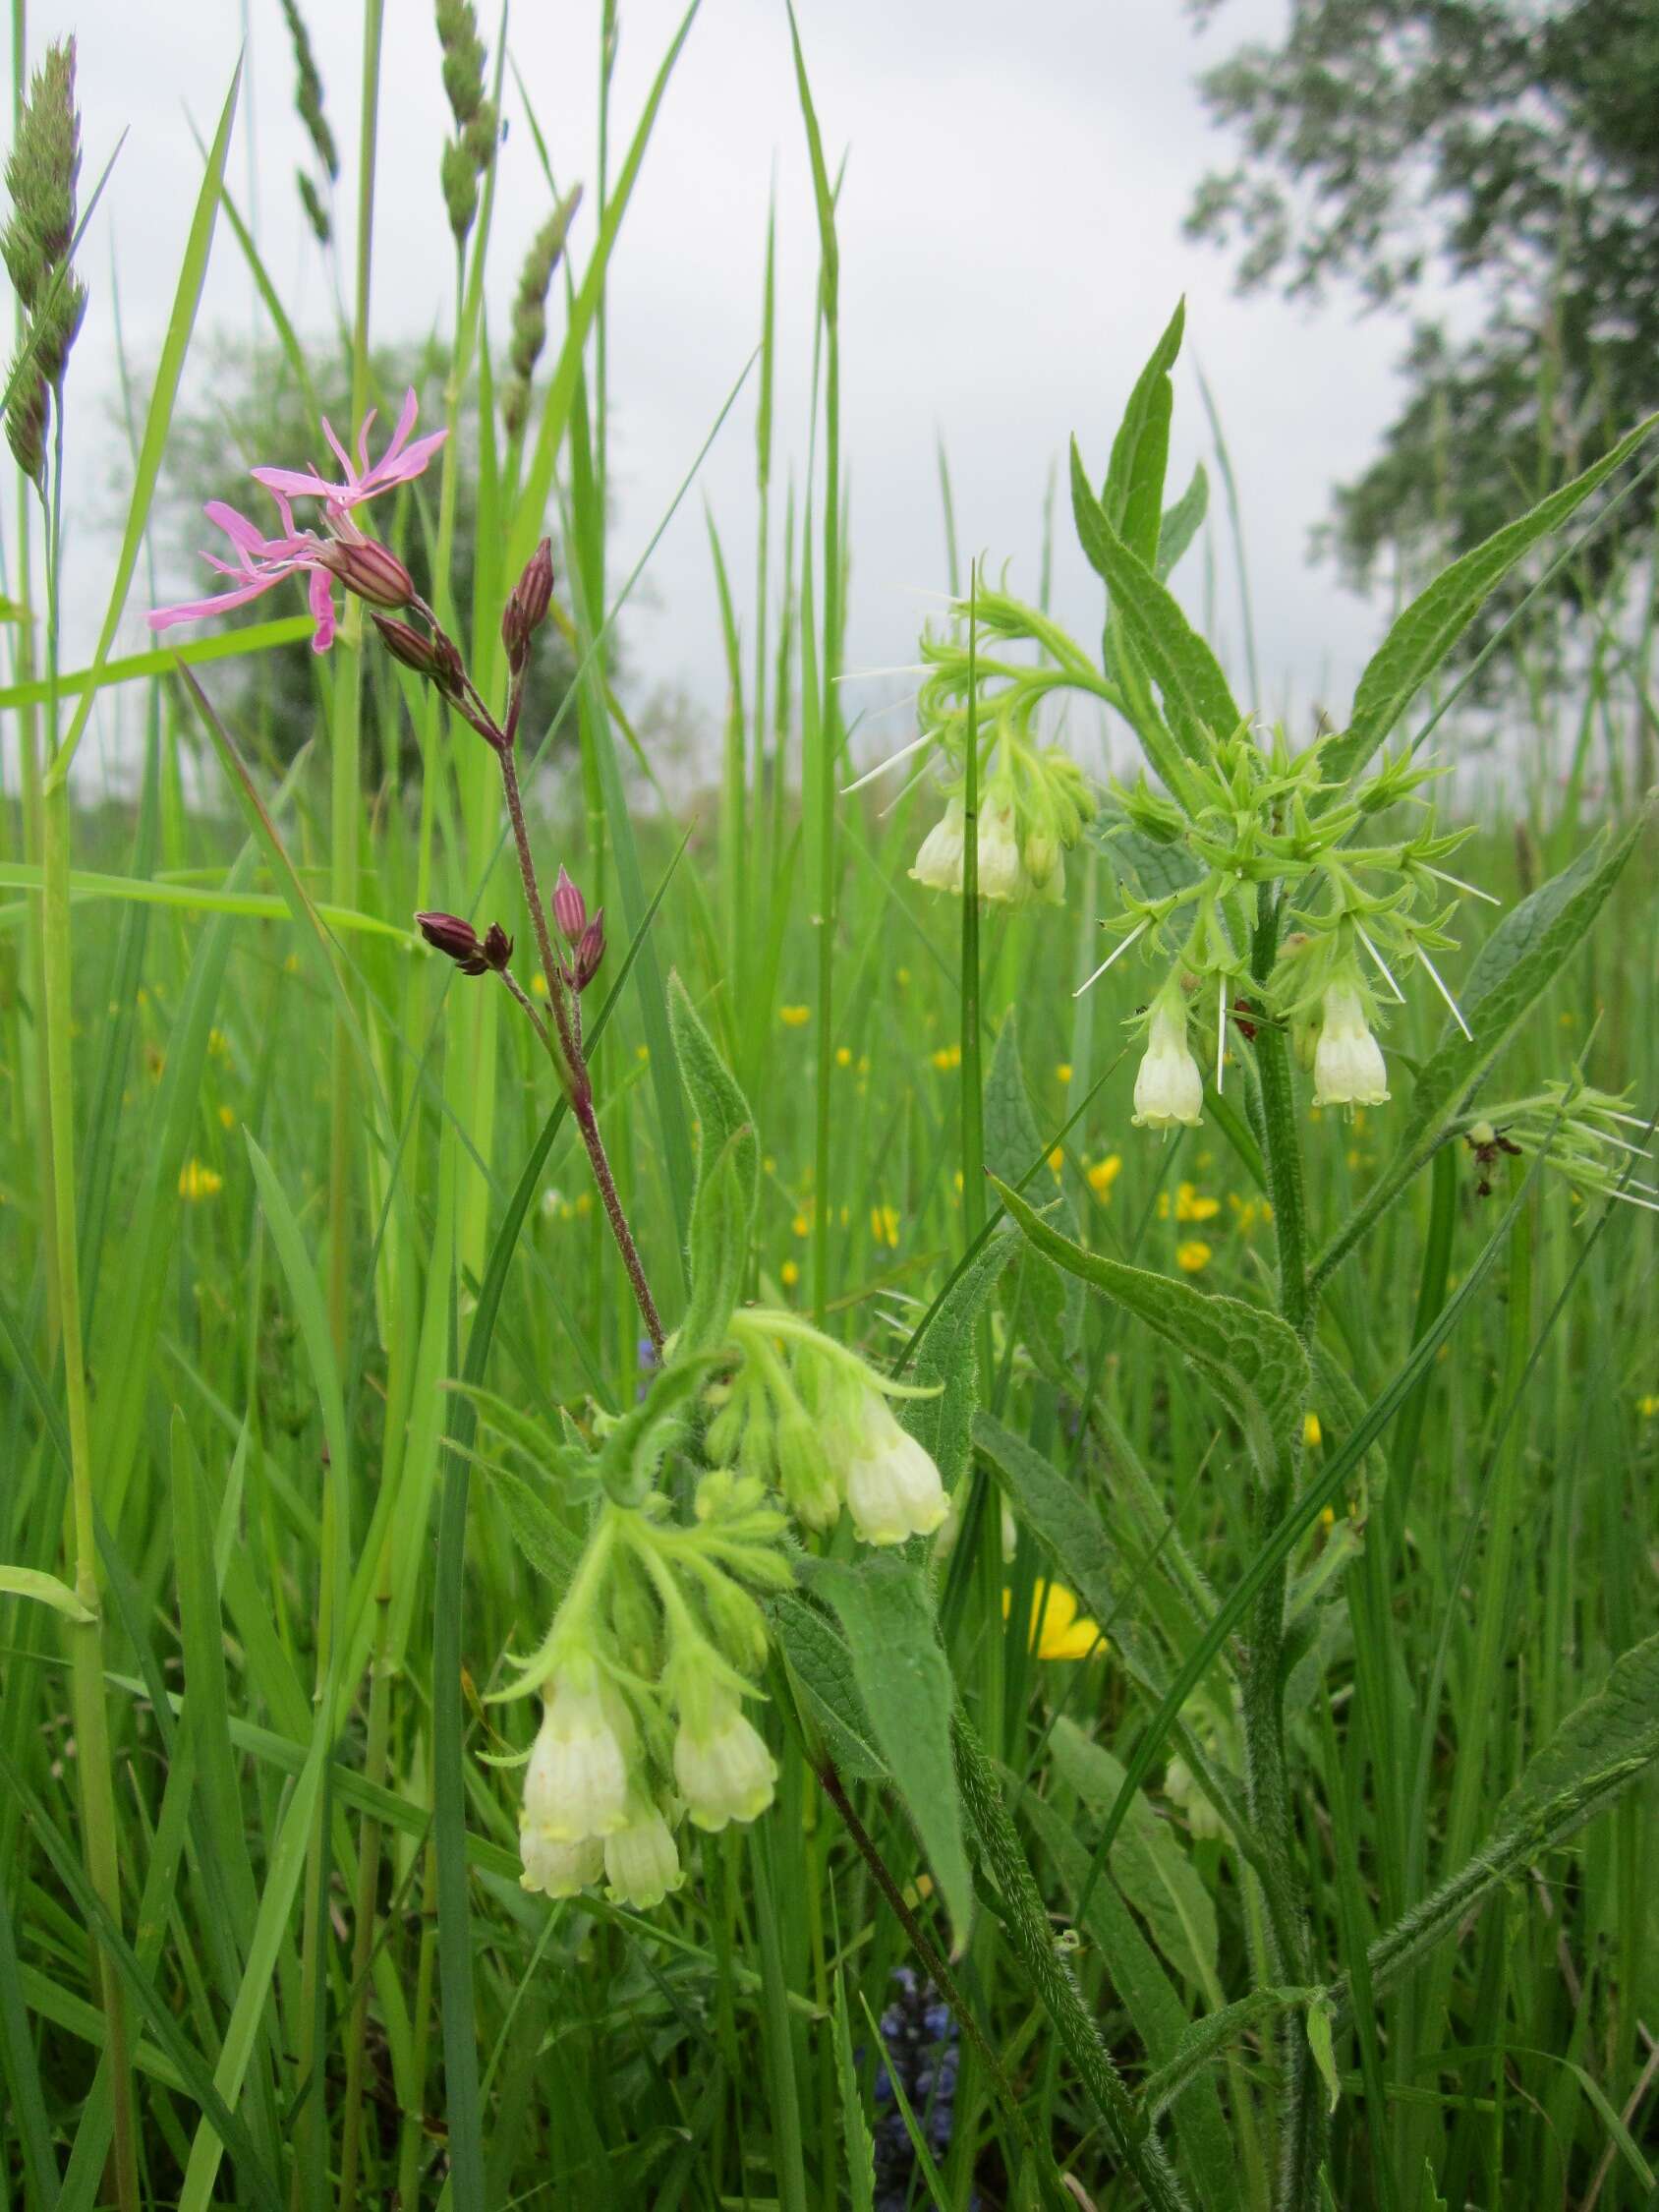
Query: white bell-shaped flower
[[1168, 1086], [1002, 872], [893, 1489], [1348, 1061], [558, 1870], [576, 1784], [724, 1769], [642, 1862], [939, 865]]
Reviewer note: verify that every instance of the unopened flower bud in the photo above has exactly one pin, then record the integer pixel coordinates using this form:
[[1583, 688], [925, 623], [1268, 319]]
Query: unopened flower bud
[[570, 909], [431, 655], [371, 570], [526, 605], [590, 952], [460, 942]]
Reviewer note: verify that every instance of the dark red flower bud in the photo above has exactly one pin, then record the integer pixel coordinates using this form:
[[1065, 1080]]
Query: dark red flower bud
[[458, 938], [370, 569], [433, 656], [590, 952], [460, 942], [526, 605], [570, 909]]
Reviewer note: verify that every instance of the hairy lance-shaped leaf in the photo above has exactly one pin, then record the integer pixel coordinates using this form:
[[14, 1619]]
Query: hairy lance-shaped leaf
[[1252, 1358], [1182, 522], [1133, 492], [903, 1681], [1425, 633], [945, 1356], [822, 1667], [1195, 692], [1148, 1860]]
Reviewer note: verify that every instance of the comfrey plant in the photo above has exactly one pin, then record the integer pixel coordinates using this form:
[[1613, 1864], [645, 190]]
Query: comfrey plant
[[1282, 901]]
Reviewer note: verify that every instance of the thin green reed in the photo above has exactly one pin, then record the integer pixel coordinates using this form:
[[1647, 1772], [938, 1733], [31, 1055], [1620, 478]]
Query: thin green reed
[[818, 768]]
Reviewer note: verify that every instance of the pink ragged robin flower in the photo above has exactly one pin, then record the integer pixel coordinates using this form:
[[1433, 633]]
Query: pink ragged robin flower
[[398, 464], [361, 563], [261, 564]]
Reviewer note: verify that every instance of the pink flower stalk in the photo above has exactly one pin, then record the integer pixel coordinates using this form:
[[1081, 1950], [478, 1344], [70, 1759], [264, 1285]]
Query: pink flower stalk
[[398, 464], [262, 562]]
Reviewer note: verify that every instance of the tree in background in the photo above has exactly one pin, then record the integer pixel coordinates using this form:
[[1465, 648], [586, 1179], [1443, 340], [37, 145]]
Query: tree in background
[[1511, 150]]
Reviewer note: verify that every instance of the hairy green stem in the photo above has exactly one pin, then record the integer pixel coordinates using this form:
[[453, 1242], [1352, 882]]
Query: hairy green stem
[[1271, 1812]]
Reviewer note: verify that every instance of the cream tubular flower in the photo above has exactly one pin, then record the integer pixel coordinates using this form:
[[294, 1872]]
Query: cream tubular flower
[[938, 863], [1002, 872], [724, 1769], [1168, 1087], [1348, 1060], [558, 1870], [642, 1862], [576, 1785], [893, 1489]]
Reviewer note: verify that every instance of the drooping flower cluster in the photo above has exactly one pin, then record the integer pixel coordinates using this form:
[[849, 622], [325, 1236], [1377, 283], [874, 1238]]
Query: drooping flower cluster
[[1255, 814], [340, 552], [643, 1678], [799, 1410], [1033, 800]]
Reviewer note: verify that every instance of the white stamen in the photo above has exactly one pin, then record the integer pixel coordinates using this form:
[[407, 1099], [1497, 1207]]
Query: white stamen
[[1446, 994], [1382, 965], [1473, 889], [1107, 963], [859, 676], [892, 760], [1632, 1121], [1221, 1033]]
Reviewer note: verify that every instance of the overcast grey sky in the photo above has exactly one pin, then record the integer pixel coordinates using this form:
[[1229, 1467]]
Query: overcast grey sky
[[1010, 246]]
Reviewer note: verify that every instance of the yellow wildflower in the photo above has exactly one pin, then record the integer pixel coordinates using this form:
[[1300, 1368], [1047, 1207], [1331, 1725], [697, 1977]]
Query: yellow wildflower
[[197, 1182], [1192, 1256], [1062, 1074], [538, 986], [642, 1053], [947, 1056], [884, 1225], [1103, 1175], [1058, 1630], [790, 1274], [1312, 1434], [227, 1117], [1191, 1206], [1327, 1513], [844, 1056], [1648, 1405], [218, 1045], [801, 1225], [794, 1016], [1057, 1158]]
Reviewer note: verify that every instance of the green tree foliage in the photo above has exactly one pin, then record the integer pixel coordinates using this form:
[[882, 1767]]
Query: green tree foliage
[[1511, 146], [254, 410]]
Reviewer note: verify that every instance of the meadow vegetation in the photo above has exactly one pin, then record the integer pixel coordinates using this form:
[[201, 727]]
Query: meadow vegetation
[[925, 1487]]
